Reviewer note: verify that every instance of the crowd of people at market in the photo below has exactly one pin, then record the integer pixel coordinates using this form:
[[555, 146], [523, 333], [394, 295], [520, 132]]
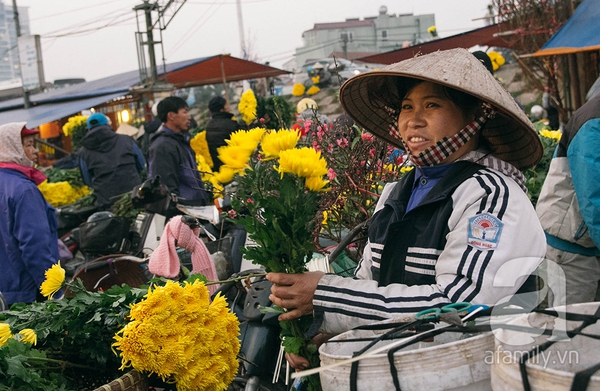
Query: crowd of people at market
[[457, 228]]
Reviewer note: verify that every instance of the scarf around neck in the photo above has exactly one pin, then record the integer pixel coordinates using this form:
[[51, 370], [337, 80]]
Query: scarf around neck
[[30, 172]]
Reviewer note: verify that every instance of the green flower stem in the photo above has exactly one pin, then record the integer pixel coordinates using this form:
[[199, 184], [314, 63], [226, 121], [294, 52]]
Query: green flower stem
[[62, 363], [236, 279], [312, 357]]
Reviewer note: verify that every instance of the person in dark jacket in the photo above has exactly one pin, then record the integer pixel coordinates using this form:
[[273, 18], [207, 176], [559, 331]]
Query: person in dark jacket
[[219, 128], [28, 225], [172, 158], [110, 163]]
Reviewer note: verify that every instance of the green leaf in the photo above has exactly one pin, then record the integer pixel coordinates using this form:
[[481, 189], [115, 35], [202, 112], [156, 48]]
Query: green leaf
[[196, 277]]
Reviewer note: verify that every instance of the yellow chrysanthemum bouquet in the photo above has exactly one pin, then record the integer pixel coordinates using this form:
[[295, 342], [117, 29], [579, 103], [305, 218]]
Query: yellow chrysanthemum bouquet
[[76, 129], [276, 200], [86, 339]]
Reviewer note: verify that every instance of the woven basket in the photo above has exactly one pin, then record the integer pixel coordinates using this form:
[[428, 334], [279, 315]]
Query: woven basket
[[131, 381]]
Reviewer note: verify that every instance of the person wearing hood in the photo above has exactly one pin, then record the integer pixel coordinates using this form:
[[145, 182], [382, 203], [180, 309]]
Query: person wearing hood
[[172, 158], [219, 128], [457, 228], [110, 163], [28, 225]]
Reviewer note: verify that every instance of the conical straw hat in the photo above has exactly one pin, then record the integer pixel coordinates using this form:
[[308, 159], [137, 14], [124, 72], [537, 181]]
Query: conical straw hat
[[369, 98]]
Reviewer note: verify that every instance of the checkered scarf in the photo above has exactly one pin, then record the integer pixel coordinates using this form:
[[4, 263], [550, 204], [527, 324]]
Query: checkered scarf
[[441, 150]]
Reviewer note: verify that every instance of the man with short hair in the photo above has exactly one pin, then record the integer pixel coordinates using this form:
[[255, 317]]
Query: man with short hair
[[171, 156], [110, 163], [219, 128]]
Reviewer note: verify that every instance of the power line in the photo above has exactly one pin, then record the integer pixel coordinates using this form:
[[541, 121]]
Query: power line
[[190, 33], [86, 23], [111, 23], [74, 10]]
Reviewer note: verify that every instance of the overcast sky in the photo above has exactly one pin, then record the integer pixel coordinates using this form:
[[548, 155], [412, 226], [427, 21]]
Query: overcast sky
[[96, 38]]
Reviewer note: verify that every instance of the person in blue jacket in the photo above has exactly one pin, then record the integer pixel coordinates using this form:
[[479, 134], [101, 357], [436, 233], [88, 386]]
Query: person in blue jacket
[[569, 206], [28, 225], [110, 163], [172, 158]]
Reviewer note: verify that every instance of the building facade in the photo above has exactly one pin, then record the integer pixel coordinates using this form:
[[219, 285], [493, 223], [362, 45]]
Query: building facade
[[9, 54], [378, 34]]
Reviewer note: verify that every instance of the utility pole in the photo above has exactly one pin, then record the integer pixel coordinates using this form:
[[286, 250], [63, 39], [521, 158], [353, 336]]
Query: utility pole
[[26, 101], [245, 83], [344, 37], [241, 29], [148, 8]]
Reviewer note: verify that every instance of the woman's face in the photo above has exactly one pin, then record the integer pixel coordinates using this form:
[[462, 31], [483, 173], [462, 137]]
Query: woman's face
[[427, 115], [30, 150]]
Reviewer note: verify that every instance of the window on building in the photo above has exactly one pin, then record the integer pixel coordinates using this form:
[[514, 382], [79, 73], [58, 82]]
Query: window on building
[[383, 35]]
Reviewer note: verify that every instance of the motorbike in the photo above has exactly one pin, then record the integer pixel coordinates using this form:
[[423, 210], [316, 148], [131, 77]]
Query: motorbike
[[261, 355], [105, 241]]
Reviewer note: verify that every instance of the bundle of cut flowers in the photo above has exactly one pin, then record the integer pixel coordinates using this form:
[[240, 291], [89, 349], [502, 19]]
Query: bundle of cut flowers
[[85, 339], [65, 187], [75, 128], [276, 199], [62, 193]]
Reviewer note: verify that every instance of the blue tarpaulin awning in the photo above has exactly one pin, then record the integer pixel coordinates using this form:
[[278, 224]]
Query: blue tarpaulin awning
[[38, 115], [580, 33]]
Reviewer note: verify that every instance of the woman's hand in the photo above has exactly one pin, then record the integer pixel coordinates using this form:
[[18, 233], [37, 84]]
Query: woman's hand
[[294, 292], [300, 363]]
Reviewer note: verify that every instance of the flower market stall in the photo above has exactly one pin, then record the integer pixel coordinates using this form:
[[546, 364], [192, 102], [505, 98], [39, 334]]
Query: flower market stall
[[168, 332]]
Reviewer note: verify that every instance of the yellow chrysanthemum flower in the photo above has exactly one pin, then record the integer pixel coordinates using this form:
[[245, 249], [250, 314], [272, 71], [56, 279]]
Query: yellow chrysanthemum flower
[[553, 134], [247, 106], [316, 183], [55, 277], [316, 79], [177, 333], [234, 156], [431, 29], [274, 142], [246, 138], [200, 147], [497, 59], [5, 333], [225, 174], [302, 162], [217, 186], [313, 90], [72, 123], [204, 169], [62, 193], [298, 89], [28, 335]]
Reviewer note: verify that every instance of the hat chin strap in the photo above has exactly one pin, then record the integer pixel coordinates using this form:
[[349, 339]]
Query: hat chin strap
[[443, 149]]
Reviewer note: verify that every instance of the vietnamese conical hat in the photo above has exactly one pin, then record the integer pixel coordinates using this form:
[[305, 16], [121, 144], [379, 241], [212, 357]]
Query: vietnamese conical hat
[[369, 98]]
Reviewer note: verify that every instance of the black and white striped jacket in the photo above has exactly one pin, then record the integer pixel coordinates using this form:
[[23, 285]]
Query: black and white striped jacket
[[475, 237]]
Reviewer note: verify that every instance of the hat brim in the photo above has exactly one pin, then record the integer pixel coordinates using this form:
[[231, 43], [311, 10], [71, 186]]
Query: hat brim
[[510, 134], [28, 132]]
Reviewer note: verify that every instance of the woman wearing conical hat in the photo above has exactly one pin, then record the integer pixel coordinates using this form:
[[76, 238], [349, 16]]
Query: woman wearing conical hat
[[460, 226]]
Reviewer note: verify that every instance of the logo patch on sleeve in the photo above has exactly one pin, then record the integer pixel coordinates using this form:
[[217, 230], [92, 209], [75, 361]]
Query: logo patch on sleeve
[[484, 231]]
